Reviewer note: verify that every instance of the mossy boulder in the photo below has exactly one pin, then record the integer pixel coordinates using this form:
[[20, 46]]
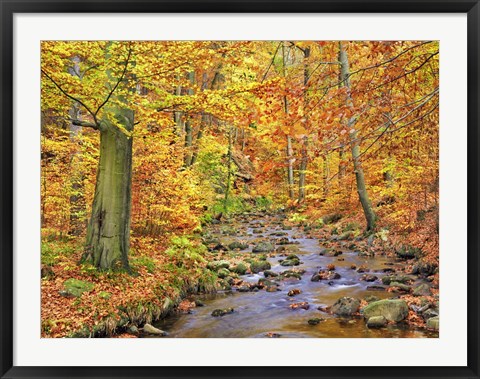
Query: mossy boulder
[[283, 241], [424, 268], [291, 274], [263, 247], [400, 287], [286, 249], [217, 265], [279, 234], [240, 269], [329, 252], [237, 245], [222, 312], [290, 262], [222, 284], [376, 322], [258, 266], [397, 278], [270, 274], [392, 309], [346, 306], [75, 288], [149, 329], [422, 290], [408, 252], [223, 273], [433, 323]]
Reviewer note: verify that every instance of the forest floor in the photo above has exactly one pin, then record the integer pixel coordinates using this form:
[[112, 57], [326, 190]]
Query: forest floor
[[277, 267]]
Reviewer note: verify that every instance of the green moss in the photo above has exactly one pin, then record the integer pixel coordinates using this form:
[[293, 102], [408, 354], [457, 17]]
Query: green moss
[[263, 202], [240, 269], [75, 287], [143, 261], [185, 252], [53, 251], [408, 252], [223, 273], [105, 295]]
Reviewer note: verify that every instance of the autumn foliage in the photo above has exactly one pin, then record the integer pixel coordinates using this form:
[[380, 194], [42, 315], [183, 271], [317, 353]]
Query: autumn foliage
[[219, 125]]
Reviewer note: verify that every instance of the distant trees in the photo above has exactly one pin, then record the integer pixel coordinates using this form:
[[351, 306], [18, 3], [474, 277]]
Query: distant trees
[[316, 120]]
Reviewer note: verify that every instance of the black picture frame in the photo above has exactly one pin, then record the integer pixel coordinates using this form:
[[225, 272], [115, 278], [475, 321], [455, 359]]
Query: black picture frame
[[9, 8]]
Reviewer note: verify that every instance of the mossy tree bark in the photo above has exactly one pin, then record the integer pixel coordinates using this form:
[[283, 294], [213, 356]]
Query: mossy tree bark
[[355, 144], [108, 232]]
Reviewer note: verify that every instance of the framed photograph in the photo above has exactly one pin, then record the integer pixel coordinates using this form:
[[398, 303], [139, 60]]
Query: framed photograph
[[239, 189]]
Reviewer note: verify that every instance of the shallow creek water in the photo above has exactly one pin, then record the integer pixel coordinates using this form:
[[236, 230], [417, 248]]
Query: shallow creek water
[[261, 312]]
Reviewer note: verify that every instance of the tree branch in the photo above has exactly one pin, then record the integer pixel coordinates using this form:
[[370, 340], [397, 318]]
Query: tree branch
[[118, 82], [84, 123], [70, 96]]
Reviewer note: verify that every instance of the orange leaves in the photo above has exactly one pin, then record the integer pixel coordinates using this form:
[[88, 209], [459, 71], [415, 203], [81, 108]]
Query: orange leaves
[[62, 316]]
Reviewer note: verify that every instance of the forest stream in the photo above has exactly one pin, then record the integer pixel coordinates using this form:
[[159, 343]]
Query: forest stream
[[262, 313]]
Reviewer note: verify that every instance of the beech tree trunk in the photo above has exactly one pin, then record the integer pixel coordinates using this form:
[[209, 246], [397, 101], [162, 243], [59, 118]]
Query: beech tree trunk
[[108, 232], [302, 171], [304, 152], [290, 158], [229, 170], [177, 116], [77, 200], [355, 144], [189, 129], [325, 177]]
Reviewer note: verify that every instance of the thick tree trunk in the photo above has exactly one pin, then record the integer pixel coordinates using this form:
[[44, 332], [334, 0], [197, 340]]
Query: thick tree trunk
[[355, 144], [108, 232]]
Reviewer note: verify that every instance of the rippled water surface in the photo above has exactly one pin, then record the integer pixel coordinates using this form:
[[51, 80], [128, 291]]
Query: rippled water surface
[[259, 313]]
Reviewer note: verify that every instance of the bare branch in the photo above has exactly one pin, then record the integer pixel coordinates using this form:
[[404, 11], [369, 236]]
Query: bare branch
[[70, 96], [271, 62], [85, 124], [118, 82]]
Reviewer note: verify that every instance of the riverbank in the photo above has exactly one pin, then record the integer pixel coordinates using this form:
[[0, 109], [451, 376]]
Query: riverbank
[[79, 301]]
